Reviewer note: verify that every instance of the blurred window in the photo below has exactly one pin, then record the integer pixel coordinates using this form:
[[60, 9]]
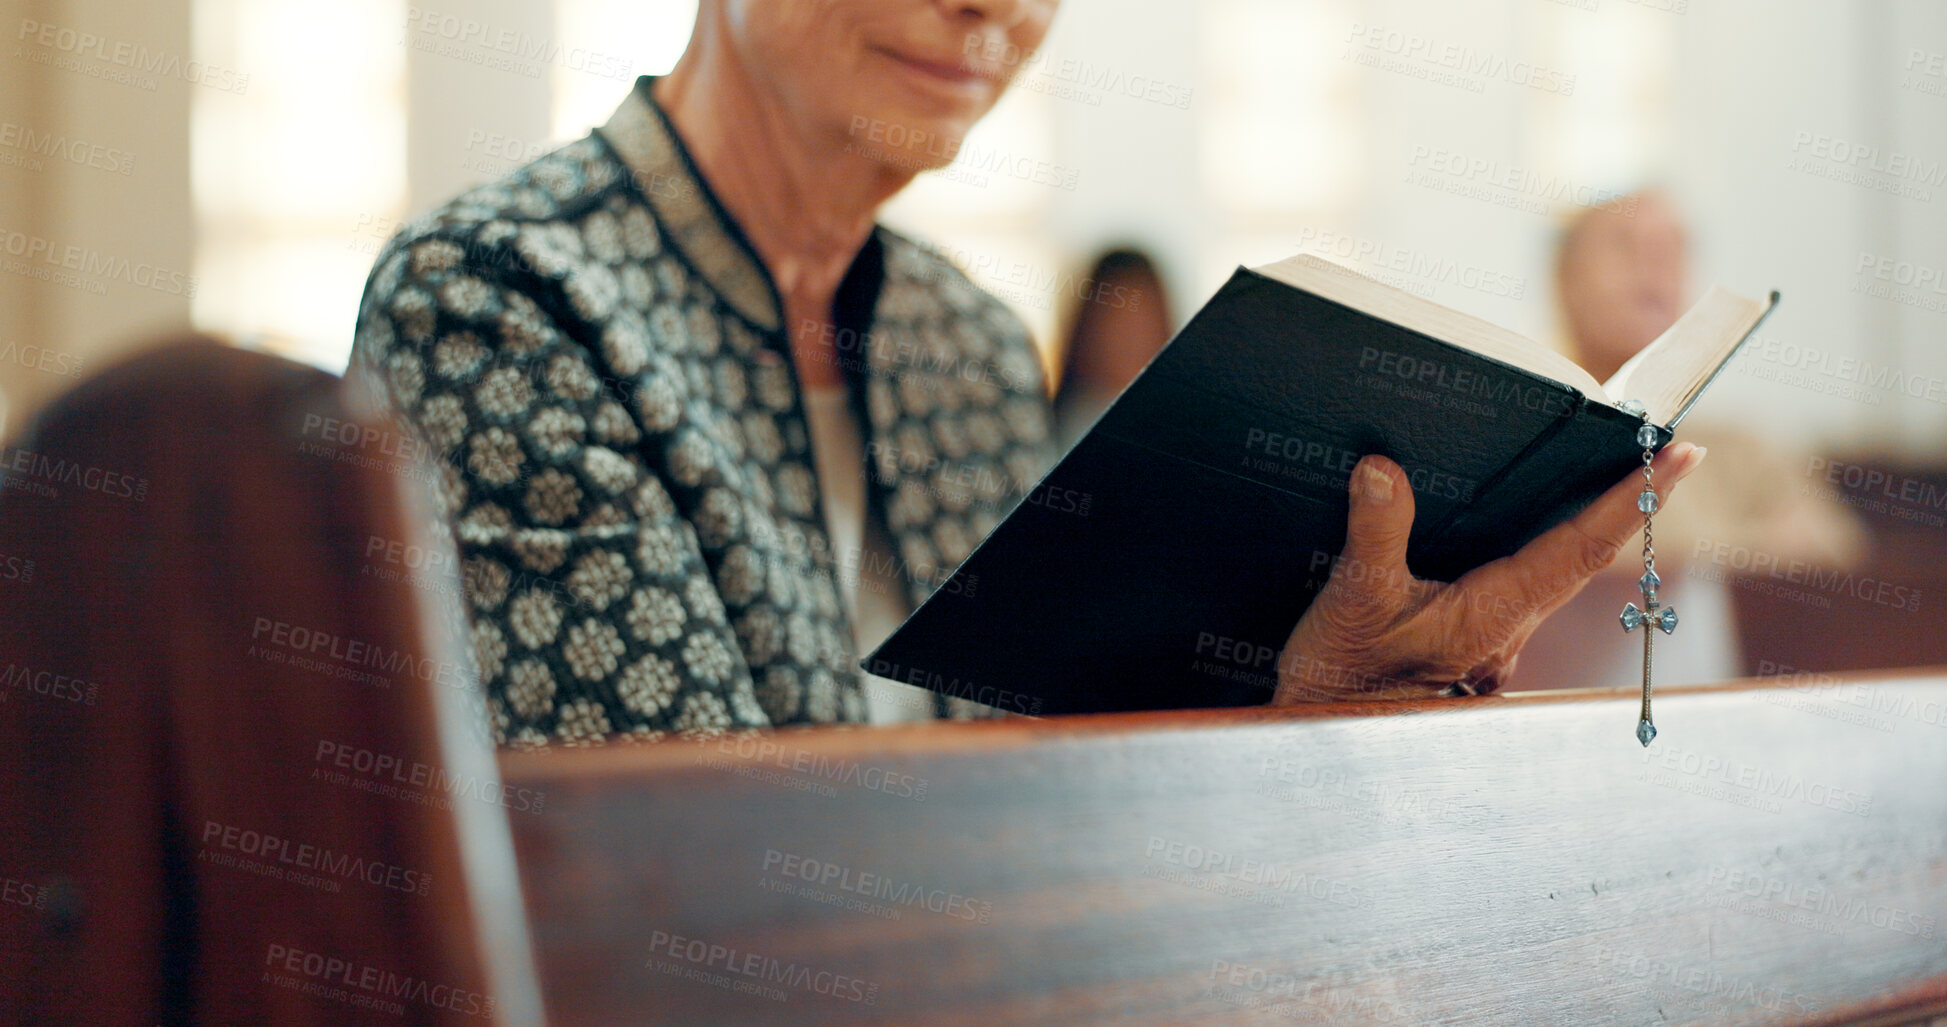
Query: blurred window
[[297, 180]]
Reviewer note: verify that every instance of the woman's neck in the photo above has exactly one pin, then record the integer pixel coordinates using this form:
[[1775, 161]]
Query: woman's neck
[[807, 207]]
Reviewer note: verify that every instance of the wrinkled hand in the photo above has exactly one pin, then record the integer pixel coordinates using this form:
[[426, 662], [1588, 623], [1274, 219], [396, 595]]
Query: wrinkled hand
[[1377, 632]]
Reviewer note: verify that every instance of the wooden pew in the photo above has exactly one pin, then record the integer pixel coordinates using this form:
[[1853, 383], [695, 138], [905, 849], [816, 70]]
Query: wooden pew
[[243, 772], [1779, 855]]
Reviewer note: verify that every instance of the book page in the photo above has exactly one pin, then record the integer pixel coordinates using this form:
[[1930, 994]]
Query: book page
[[1348, 287], [1667, 375]]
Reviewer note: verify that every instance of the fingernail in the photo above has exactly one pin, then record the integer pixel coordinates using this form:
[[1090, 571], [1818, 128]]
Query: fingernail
[[1690, 462], [1676, 460], [1372, 483]]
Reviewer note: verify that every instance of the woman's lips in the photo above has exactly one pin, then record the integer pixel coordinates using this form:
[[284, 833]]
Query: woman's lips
[[949, 73]]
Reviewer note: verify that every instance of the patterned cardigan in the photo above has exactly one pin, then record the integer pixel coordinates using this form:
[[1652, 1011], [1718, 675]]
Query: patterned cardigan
[[596, 358]]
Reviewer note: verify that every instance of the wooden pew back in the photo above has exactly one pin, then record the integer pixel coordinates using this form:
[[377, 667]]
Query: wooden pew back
[[247, 772], [1779, 855]]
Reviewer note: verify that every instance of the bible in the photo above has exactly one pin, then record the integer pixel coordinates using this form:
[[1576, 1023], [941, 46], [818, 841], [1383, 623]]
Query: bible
[[1163, 561]]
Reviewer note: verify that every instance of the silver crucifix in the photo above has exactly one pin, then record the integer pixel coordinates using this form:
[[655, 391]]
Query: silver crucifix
[[1653, 615]]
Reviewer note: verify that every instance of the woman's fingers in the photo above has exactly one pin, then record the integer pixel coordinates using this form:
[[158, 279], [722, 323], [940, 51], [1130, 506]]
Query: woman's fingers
[[1375, 632], [1371, 571], [1553, 567]]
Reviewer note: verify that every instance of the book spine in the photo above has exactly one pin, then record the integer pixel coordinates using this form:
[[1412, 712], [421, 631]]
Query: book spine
[[1593, 448], [1510, 474]]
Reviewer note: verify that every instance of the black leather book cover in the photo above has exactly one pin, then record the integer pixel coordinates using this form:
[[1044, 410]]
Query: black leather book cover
[[1163, 562]]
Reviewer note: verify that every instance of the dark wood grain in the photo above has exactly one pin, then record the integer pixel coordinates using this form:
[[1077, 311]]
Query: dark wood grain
[[1777, 856], [180, 839]]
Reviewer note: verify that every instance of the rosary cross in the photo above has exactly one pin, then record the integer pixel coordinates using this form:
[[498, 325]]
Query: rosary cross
[[1653, 615]]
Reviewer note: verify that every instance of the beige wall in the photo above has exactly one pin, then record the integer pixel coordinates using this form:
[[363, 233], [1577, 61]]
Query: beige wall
[[124, 230]]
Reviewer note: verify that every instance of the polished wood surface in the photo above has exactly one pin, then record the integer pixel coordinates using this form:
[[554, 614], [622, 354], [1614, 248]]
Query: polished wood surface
[[220, 713], [1777, 856]]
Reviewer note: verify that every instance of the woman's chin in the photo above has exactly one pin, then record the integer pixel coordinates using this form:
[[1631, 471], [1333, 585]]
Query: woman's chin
[[907, 140]]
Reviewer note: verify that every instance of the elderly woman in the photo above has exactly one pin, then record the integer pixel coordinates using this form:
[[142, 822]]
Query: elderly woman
[[693, 407]]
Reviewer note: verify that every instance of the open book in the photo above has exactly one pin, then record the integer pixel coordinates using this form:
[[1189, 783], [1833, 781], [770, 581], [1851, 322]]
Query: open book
[[1163, 562], [1666, 377]]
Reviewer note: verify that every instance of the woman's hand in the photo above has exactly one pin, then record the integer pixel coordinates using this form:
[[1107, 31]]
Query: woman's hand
[[1377, 632]]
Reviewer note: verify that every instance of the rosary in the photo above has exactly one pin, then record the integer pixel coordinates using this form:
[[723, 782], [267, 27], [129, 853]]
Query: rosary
[[1652, 615]]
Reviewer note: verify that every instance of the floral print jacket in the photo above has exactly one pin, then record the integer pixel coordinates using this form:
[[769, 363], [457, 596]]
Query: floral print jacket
[[596, 359]]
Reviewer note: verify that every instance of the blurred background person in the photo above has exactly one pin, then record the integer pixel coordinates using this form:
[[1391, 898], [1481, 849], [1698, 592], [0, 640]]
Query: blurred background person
[[1621, 278], [1118, 318]]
